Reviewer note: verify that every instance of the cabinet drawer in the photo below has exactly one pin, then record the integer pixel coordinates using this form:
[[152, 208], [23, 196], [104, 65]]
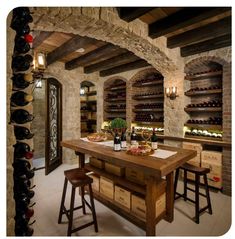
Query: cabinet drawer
[[116, 170], [106, 187], [96, 162], [135, 176]]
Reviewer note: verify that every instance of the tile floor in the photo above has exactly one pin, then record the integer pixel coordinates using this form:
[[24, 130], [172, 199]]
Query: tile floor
[[48, 195]]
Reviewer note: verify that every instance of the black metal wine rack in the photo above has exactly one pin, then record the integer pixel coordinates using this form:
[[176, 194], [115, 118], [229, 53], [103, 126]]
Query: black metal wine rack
[[23, 173]]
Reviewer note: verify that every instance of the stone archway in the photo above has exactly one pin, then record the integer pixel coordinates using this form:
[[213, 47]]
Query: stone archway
[[104, 24]]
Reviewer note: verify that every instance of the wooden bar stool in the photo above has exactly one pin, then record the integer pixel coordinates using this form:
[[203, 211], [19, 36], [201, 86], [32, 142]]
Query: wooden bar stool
[[78, 179], [197, 171]]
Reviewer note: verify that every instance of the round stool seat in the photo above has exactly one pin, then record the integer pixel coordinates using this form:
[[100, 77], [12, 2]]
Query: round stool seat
[[77, 177]]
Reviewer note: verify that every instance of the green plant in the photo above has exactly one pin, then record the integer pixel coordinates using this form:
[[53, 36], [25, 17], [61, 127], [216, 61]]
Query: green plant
[[118, 123]]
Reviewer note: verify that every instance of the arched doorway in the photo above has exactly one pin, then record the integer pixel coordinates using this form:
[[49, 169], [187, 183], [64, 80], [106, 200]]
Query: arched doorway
[[88, 108]]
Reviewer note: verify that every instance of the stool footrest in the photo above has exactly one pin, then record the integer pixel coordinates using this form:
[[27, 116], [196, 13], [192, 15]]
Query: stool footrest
[[193, 190]]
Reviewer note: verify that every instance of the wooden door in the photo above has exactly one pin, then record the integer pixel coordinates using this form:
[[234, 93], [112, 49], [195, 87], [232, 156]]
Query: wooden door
[[53, 136]]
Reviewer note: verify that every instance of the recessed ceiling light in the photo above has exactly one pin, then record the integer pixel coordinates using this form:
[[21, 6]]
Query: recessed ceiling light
[[80, 50]]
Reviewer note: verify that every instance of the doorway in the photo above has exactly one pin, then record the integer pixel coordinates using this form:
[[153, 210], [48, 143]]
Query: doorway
[[47, 125], [88, 101]]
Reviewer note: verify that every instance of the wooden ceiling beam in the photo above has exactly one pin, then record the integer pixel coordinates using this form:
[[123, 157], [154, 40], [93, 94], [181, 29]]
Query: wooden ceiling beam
[[69, 47], [129, 14], [208, 45], [184, 18], [111, 62], [39, 39], [207, 32], [126, 67], [101, 53]]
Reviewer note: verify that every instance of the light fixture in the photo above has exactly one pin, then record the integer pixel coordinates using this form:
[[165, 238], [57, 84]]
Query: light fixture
[[171, 92], [38, 83], [80, 50], [82, 91]]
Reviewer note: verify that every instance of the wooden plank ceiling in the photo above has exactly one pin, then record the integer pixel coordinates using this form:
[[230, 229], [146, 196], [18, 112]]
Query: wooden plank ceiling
[[193, 29]]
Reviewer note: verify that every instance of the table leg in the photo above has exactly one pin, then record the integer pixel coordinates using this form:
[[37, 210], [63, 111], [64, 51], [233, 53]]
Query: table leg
[[151, 196], [81, 160], [170, 197]]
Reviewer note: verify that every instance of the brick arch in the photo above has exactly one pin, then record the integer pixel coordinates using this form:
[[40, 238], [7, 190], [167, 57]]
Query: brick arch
[[95, 23], [112, 79], [198, 61], [142, 73]]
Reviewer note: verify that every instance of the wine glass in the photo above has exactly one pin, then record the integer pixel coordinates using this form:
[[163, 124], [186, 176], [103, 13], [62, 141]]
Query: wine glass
[[146, 135]]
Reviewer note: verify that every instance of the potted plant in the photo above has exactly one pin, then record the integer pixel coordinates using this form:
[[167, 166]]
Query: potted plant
[[118, 125]]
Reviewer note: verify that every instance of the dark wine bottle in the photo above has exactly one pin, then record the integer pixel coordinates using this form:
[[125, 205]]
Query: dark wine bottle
[[21, 163], [21, 116], [154, 144], [20, 98], [22, 81], [133, 137], [21, 11], [22, 150], [22, 133], [19, 172], [21, 46], [21, 62], [116, 142], [26, 231]]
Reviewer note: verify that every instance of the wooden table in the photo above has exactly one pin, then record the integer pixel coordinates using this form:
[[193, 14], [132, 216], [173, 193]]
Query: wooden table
[[154, 169]]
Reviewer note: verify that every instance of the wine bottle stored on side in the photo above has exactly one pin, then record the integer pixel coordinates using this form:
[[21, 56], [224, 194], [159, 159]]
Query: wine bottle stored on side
[[154, 143], [133, 137], [22, 133], [117, 142], [22, 81], [21, 98], [22, 150], [21, 46], [21, 62], [21, 116]]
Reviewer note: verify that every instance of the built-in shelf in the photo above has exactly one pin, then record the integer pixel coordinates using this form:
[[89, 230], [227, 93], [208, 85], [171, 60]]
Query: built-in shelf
[[203, 92], [204, 75], [152, 83], [204, 126], [116, 100], [203, 109], [88, 101], [115, 110], [202, 137], [91, 93], [85, 111], [152, 123], [148, 110], [147, 97], [116, 88]]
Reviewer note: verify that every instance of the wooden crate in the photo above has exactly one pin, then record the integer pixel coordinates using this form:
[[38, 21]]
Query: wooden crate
[[122, 196], [215, 175], [135, 176], [211, 156], [96, 182], [106, 187], [96, 162], [138, 205], [116, 170], [193, 146]]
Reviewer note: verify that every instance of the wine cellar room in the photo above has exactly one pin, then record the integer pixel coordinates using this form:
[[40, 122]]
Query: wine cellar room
[[75, 72]]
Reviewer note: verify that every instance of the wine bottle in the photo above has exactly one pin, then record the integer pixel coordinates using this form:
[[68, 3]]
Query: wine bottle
[[21, 163], [26, 231], [21, 150], [154, 143], [21, 116], [22, 133], [20, 98], [21, 62], [22, 81], [21, 11], [117, 142], [133, 137], [19, 172], [123, 140], [21, 46]]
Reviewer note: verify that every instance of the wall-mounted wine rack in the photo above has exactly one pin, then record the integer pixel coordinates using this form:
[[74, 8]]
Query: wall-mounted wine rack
[[21, 118]]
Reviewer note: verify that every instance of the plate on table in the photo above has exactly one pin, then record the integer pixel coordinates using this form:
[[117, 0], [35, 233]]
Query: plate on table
[[140, 150], [97, 137]]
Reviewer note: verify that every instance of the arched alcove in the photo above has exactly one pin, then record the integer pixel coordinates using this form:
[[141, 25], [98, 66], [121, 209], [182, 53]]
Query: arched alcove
[[88, 107], [115, 98]]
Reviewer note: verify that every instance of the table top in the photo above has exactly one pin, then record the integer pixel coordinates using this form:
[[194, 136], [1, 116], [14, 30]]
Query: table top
[[147, 164]]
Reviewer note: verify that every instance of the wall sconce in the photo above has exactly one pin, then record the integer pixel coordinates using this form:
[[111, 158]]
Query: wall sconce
[[171, 92], [39, 64], [38, 83], [82, 91]]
